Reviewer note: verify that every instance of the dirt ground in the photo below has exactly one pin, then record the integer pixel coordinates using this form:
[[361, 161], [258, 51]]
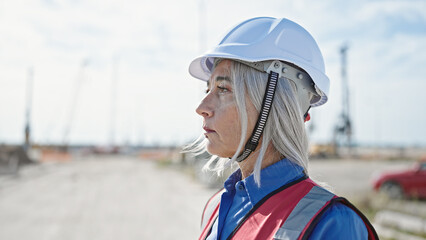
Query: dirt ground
[[352, 178], [100, 198], [129, 198]]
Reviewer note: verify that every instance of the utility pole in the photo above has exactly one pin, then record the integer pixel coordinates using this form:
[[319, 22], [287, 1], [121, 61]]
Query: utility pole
[[75, 97], [29, 98], [114, 78]]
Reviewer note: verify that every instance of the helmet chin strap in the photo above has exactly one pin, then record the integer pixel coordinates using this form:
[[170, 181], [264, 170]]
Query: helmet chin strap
[[273, 76], [252, 143]]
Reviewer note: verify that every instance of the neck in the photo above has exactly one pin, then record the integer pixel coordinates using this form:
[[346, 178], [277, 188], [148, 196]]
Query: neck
[[247, 165]]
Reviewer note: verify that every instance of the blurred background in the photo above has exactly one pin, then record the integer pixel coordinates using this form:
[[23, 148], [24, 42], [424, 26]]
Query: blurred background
[[96, 103]]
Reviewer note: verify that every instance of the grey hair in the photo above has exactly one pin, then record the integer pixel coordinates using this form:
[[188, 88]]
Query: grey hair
[[285, 126]]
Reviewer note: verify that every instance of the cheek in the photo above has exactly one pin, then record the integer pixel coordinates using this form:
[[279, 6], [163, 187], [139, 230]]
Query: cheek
[[230, 122], [230, 138], [229, 130], [252, 116], [234, 129], [231, 126]]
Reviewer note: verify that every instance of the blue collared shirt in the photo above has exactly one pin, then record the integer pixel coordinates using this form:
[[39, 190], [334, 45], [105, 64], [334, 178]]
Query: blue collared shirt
[[338, 222]]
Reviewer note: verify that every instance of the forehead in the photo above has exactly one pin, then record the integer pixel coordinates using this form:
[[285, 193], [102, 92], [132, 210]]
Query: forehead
[[224, 64], [221, 72]]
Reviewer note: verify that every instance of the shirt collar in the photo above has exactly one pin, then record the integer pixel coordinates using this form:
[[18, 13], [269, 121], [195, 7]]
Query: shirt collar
[[232, 180], [271, 178]]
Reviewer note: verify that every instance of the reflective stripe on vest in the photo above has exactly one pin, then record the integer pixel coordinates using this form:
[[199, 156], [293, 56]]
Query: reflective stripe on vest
[[210, 207], [302, 214], [210, 213]]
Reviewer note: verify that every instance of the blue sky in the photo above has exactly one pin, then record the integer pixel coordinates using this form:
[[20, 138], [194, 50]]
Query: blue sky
[[152, 44]]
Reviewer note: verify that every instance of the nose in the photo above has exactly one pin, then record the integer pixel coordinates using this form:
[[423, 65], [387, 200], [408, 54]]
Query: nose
[[205, 109]]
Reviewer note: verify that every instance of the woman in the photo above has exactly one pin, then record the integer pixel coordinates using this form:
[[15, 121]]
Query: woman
[[262, 79]]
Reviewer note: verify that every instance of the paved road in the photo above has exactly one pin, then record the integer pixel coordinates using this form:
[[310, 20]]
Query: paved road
[[100, 198]]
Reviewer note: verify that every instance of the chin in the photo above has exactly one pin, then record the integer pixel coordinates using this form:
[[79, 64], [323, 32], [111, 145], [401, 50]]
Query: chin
[[218, 151]]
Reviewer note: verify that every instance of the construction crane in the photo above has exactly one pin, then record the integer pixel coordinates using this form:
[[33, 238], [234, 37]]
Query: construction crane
[[342, 136]]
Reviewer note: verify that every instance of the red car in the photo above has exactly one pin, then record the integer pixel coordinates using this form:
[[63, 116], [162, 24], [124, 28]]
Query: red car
[[406, 183]]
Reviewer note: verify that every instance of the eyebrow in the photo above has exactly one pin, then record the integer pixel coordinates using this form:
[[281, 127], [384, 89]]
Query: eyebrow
[[223, 78], [219, 79]]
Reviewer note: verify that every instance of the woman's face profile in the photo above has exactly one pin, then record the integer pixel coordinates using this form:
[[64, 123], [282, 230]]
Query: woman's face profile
[[221, 121]]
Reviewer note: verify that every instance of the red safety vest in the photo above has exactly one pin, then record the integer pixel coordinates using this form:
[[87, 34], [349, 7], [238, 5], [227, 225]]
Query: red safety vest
[[290, 212]]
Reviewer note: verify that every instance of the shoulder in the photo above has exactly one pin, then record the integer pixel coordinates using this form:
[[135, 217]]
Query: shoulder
[[340, 222]]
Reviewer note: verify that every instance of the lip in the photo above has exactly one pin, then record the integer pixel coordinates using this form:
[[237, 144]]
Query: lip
[[208, 130]]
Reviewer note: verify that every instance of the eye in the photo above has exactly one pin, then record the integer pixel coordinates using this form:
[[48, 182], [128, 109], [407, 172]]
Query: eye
[[222, 89]]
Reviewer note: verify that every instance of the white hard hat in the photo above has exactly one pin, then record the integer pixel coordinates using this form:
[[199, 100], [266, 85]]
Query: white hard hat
[[263, 39]]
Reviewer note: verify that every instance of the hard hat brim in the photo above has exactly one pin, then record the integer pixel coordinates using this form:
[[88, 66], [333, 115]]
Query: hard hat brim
[[201, 67]]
